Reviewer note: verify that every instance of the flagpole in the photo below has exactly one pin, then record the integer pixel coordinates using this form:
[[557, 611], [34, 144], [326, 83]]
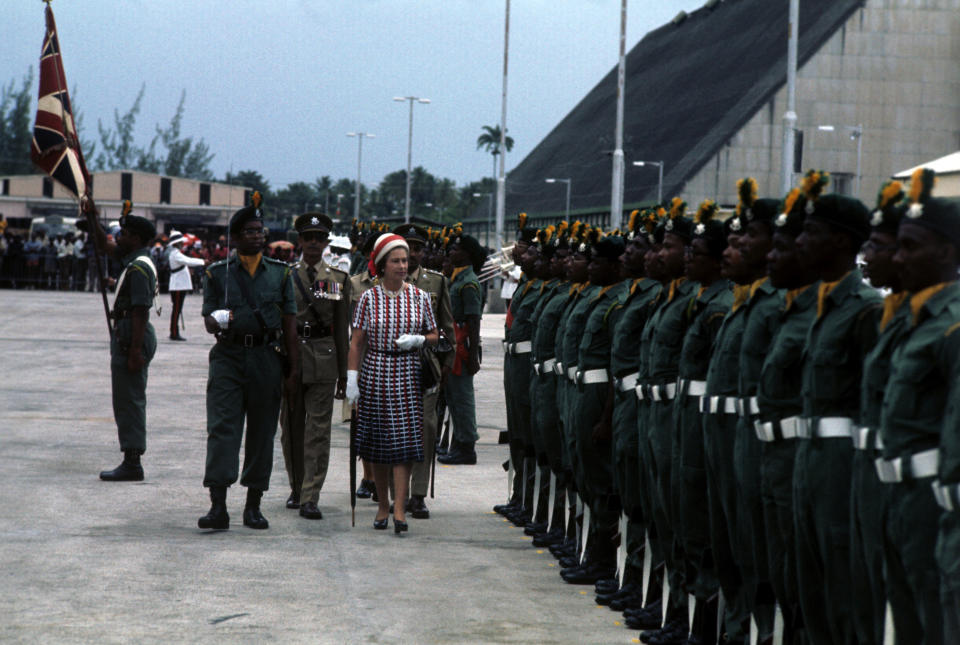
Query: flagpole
[[91, 214]]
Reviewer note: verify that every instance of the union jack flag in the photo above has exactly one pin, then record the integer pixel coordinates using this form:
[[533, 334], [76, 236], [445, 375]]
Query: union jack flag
[[56, 148]]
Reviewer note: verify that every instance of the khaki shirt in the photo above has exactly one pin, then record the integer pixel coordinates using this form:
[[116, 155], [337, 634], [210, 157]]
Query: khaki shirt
[[438, 288], [323, 327]]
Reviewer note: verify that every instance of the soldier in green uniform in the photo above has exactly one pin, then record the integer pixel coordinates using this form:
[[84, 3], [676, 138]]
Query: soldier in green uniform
[[664, 334], [689, 483], [465, 303], [867, 493], [133, 342], [916, 419], [525, 237], [323, 301], [761, 311], [780, 405], [548, 438], [720, 420], [591, 409], [567, 343], [540, 436], [843, 332], [249, 304], [635, 302], [438, 287]]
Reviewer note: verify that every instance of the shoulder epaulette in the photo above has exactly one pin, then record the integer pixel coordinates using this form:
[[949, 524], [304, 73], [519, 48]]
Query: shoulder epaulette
[[432, 272], [275, 261]]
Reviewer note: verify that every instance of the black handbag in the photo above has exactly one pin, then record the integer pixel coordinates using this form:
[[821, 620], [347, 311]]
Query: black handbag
[[429, 368]]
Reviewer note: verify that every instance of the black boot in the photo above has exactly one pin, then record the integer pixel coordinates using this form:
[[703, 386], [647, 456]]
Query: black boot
[[252, 516], [217, 517], [129, 469], [461, 454]]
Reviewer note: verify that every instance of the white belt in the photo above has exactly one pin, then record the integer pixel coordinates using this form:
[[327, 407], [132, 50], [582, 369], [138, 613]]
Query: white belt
[[861, 439], [640, 389], [592, 377], [522, 347], [769, 431], [506, 346], [625, 383], [948, 495], [572, 374], [558, 368], [664, 392], [696, 388], [747, 406], [718, 405], [826, 428], [547, 366], [915, 466]]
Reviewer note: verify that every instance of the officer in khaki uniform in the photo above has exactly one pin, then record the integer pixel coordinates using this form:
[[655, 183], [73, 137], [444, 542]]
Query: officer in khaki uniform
[[438, 287], [323, 301]]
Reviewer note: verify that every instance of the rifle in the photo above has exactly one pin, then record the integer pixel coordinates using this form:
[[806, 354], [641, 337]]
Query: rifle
[[353, 467]]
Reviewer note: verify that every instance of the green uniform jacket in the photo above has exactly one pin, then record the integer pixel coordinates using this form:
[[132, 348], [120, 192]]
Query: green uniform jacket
[[837, 343], [465, 299], [763, 320], [270, 287], [138, 290], [670, 324], [323, 318]]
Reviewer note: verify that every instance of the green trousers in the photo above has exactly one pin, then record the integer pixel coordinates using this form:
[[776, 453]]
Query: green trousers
[[776, 491], [625, 458], [691, 506], [243, 384], [821, 514], [463, 409], [547, 436], [948, 561], [910, 559], [867, 515], [129, 391], [719, 432], [305, 423]]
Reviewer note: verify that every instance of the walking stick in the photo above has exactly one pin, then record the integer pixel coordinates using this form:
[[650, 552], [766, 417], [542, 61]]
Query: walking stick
[[433, 463], [353, 467]]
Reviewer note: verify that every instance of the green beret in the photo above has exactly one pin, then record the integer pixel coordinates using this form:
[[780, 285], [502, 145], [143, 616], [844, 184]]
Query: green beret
[[845, 213], [412, 232], [938, 215], [473, 249], [610, 247], [244, 215], [714, 233], [139, 226], [681, 226], [762, 210], [313, 222]]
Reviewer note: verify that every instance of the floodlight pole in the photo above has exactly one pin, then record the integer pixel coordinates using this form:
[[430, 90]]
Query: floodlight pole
[[790, 116], [616, 197], [501, 178], [356, 197]]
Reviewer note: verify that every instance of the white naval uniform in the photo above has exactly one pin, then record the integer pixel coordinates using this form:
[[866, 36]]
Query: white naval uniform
[[180, 280]]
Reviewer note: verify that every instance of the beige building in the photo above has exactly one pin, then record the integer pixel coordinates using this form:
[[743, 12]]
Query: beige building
[[166, 201], [948, 175]]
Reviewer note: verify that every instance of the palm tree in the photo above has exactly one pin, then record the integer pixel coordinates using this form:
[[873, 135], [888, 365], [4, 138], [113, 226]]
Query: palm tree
[[323, 185], [490, 141]]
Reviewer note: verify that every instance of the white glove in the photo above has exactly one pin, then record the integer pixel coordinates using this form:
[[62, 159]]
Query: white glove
[[222, 316], [353, 390], [409, 341]]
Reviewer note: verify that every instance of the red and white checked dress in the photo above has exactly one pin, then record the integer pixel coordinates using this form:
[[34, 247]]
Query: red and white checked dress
[[390, 408]]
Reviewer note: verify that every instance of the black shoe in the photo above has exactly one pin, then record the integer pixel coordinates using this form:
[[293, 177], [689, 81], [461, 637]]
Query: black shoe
[[588, 574], [532, 528], [607, 586], [417, 508], [373, 494], [649, 618], [310, 511], [629, 601], [365, 489], [399, 526], [460, 455], [503, 509], [381, 525], [252, 517], [293, 501], [549, 538], [178, 337], [216, 518], [127, 471], [608, 598], [569, 561]]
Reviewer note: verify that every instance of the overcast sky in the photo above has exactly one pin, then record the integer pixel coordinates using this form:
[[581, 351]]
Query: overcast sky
[[274, 86]]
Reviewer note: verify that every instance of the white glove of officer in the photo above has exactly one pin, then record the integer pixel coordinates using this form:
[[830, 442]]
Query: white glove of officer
[[353, 389], [222, 316], [409, 341]]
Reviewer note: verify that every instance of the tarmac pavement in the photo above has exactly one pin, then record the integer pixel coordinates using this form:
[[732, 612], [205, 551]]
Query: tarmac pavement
[[89, 561]]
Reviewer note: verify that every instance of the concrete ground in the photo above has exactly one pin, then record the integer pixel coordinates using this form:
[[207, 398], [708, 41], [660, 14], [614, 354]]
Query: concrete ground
[[90, 561]]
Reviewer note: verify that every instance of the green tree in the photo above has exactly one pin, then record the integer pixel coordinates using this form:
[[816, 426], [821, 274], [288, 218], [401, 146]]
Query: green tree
[[16, 127], [251, 179], [323, 187], [490, 142], [119, 150], [298, 197]]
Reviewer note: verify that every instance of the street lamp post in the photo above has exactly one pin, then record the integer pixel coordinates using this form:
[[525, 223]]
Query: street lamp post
[[554, 180], [489, 214], [356, 198], [659, 165], [856, 132], [411, 100]]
